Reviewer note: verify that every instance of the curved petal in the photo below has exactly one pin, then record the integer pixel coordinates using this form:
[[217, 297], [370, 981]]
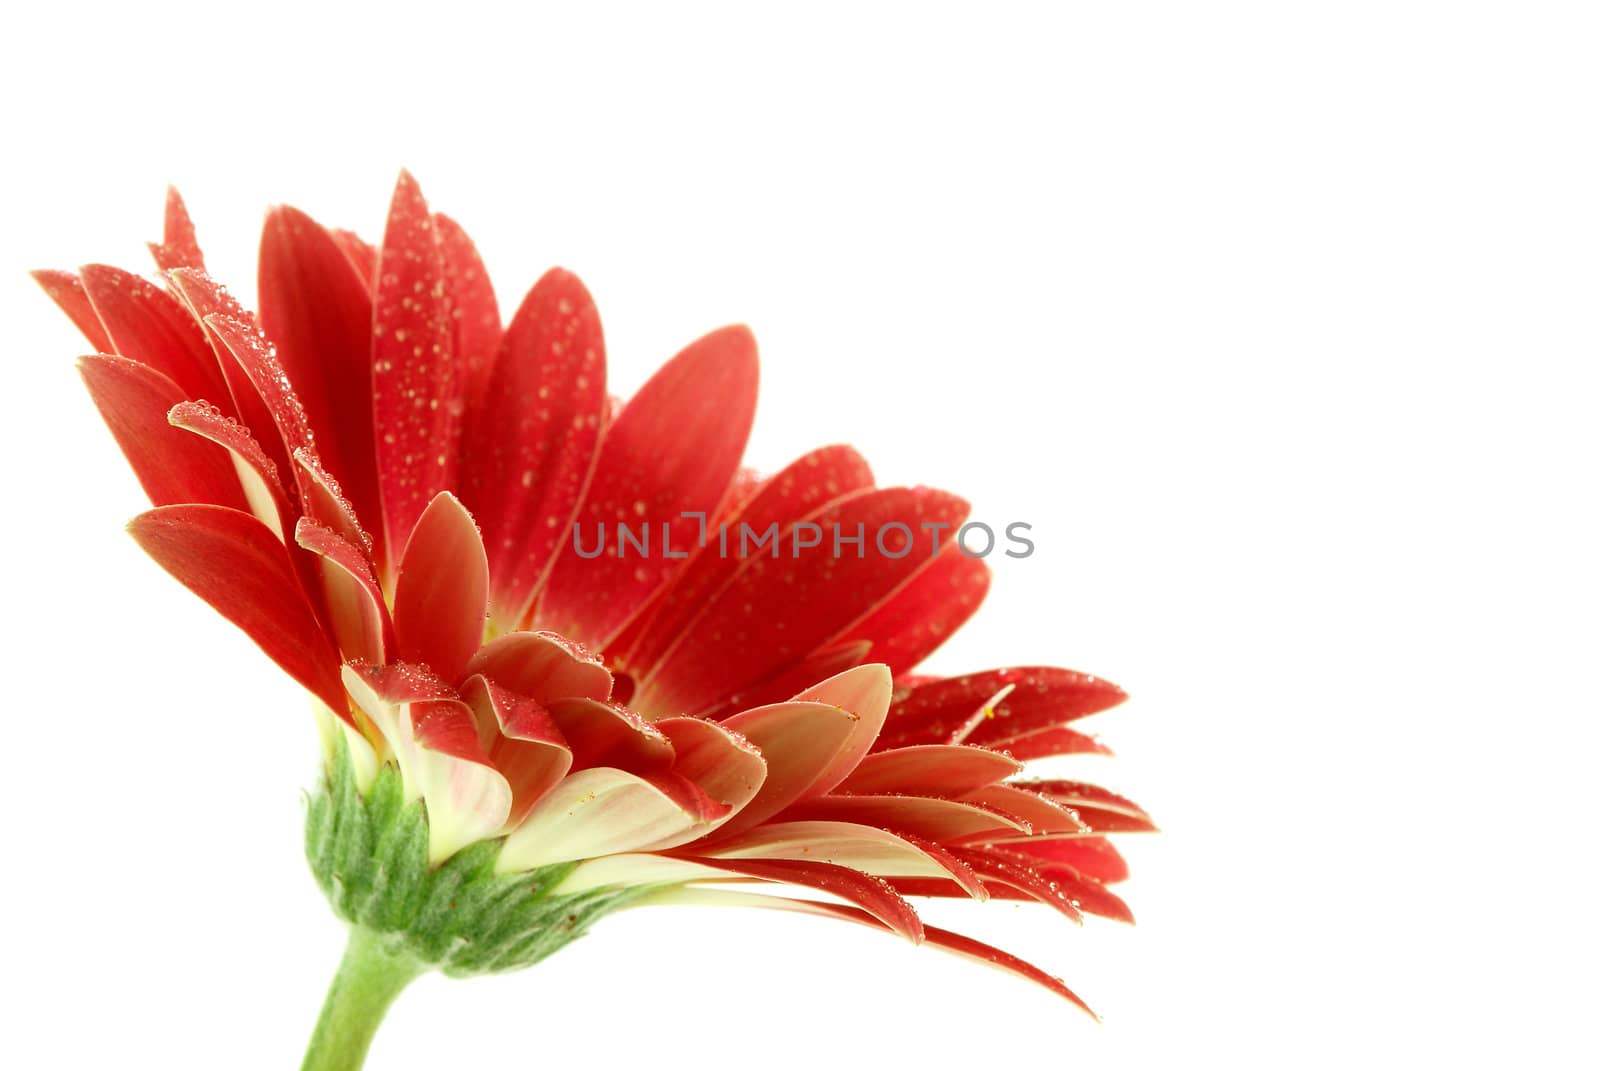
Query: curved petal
[[442, 592], [727, 766], [356, 610], [600, 811], [799, 742], [873, 895], [172, 467], [604, 734], [674, 448], [542, 666], [525, 743], [205, 298], [257, 475], [863, 691], [435, 743], [530, 442], [232, 561]]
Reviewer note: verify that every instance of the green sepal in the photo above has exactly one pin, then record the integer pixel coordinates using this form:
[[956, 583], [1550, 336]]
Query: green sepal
[[370, 856]]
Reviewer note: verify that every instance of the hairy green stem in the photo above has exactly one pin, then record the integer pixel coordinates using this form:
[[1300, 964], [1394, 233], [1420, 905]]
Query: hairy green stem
[[371, 975]]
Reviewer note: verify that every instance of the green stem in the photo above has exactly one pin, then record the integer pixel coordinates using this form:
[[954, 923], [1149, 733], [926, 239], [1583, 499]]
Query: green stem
[[368, 980]]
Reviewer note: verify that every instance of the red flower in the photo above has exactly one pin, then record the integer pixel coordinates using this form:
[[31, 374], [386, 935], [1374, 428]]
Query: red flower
[[380, 484]]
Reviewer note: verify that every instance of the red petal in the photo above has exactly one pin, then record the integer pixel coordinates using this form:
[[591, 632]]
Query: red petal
[[363, 256], [529, 445], [728, 767], [800, 489], [206, 299], [799, 742], [937, 820], [360, 620], [864, 692], [783, 684], [526, 746], [172, 466], [148, 324], [234, 563], [1042, 697], [318, 313], [441, 595], [1043, 815], [873, 895], [257, 475], [919, 617], [415, 389], [1047, 742], [602, 734], [65, 289], [930, 770], [674, 448], [1093, 857], [542, 666], [779, 609], [995, 868], [178, 247], [1105, 812], [1083, 893], [474, 313], [322, 499]]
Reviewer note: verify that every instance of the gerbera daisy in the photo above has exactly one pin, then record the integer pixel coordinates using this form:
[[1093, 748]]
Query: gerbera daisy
[[549, 686]]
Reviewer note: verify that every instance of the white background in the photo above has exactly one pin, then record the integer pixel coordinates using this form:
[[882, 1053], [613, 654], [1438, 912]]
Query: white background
[[1278, 321]]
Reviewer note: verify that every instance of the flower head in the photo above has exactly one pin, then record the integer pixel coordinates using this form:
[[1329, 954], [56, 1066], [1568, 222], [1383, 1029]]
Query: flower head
[[546, 680]]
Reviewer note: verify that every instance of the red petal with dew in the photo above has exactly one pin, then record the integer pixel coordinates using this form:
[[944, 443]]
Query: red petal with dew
[[474, 313], [530, 442], [674, 448], [542, 666], [603, 734], [356, 610], [256, 474], [318, 313], [806, 485], [777, 610], [415, 387], [525, 743], [178, 247], [1040, 697], [799, 741]]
